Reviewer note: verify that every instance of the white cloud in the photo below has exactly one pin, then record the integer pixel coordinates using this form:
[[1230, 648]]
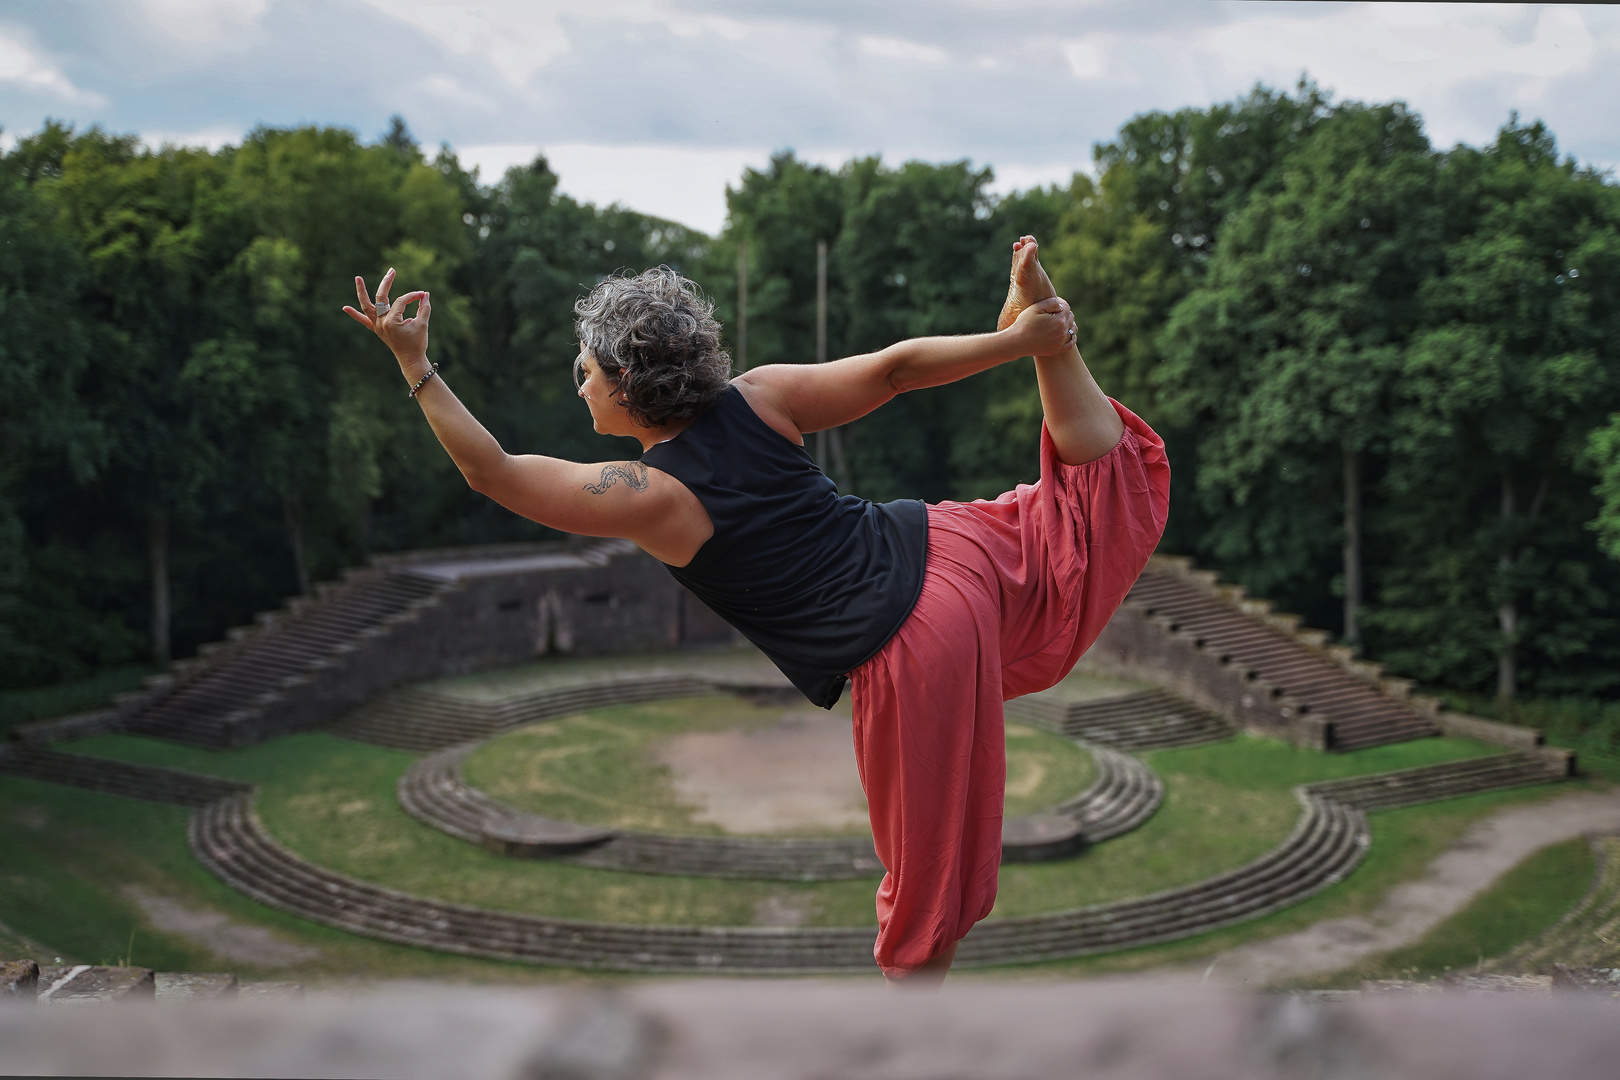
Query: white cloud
[[492, 160], [209, 139], [688, 186], [1010, 178], [20, 65], [1087, 57], [514, 37], [1376, 48], [891, 48], [203, 21], [1425, 54]]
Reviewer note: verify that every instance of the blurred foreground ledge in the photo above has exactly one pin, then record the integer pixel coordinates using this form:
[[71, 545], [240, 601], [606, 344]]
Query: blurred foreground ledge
[[720, 1030]]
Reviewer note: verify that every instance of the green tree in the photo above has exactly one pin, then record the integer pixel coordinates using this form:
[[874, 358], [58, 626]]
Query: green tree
[[1136, 239], [154, 228], [1293, 339], [43, 419], [1515, 369]]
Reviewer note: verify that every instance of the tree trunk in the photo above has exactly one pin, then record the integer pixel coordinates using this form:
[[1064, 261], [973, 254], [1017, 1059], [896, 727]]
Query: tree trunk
[[292, 514], [1507, 613], [157, 554], [1352, 546]]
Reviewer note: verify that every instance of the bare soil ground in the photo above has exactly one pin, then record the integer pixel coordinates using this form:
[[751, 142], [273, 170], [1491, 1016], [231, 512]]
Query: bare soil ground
[[213, 930], [798, 773]]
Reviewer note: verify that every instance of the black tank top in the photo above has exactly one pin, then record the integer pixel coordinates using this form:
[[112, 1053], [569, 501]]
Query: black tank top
[[820, 582]]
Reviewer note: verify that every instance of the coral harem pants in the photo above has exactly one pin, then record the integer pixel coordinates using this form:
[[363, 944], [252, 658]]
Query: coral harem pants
[[1014, 591]]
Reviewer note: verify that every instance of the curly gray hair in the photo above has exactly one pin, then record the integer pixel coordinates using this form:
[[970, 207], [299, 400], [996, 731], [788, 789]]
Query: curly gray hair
[[655, 336]]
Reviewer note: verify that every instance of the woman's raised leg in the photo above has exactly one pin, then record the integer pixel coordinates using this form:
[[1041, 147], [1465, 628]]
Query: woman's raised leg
[[1083, 425]]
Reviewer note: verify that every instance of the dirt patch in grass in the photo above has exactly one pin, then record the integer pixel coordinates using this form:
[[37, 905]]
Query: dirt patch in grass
[[797, 774], [215, 931]]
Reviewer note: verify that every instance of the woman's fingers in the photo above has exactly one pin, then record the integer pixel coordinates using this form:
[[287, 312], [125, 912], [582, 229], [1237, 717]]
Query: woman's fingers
[[359, 317], [383, 290]]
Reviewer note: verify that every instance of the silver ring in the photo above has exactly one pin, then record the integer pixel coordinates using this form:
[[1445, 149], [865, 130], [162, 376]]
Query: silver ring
[[1071, 331], [382, 306]]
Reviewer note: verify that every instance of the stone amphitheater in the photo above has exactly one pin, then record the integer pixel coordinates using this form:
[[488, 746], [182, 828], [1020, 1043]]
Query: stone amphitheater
[[341, 660]]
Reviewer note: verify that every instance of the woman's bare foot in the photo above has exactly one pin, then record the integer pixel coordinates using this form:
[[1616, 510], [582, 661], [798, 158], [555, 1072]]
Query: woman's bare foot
[[1029, 283]]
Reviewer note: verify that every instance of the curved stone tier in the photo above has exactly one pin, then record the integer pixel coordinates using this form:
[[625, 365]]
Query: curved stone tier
[[1125, 794], [1328, 842], [231, 841], [433, 791]]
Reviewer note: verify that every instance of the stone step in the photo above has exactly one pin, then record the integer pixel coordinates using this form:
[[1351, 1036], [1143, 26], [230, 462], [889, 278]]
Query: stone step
[[177, 986], [270, 991], [1150, 720], [410, 719], [282, 650], [1361, 714], [88, 984]]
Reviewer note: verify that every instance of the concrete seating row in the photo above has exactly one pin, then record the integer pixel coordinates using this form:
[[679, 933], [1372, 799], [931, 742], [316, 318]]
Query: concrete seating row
[[1329, 840], [421, 720], [1149, 720], [1430, 783]]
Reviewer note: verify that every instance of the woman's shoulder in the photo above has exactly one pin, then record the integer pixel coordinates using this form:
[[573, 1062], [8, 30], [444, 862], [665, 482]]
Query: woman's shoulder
[[759, 389]]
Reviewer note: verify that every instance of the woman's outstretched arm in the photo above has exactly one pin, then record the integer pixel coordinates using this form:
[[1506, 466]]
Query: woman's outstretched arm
[[607, 498], [814, 397]]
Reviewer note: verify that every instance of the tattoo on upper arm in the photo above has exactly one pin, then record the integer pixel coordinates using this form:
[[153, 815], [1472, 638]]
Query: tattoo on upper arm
[[633, 473]]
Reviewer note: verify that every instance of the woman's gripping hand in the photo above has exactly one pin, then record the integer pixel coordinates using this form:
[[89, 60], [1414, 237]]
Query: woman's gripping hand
[[1045, 328]]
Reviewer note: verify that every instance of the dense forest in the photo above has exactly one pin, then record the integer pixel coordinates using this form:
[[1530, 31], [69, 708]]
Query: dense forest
[[1387, 372]]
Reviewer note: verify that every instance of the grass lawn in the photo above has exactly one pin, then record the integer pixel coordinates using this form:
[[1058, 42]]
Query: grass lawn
[[600, 767], [70, 860], [66, 856], [1521, 904]]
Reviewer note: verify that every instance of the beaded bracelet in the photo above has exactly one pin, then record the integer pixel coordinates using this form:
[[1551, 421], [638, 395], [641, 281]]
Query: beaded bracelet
[[433, 369]]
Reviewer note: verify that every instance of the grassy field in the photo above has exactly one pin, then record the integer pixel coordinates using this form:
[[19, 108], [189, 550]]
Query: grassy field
[[1519, 905], [69, 859], [600, 767], [72, 863]]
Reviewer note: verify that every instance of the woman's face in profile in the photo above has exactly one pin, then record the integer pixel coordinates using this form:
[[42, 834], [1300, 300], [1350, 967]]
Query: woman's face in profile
[[598, 393]]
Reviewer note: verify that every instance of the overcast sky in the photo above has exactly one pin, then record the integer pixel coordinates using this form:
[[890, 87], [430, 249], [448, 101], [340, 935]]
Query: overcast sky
[[659, 103]]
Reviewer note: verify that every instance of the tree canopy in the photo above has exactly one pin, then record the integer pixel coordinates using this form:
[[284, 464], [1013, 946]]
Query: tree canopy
[[1386, 371]]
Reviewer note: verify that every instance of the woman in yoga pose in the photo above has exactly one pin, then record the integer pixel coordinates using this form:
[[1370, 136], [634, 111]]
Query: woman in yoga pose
[[936, 614]]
